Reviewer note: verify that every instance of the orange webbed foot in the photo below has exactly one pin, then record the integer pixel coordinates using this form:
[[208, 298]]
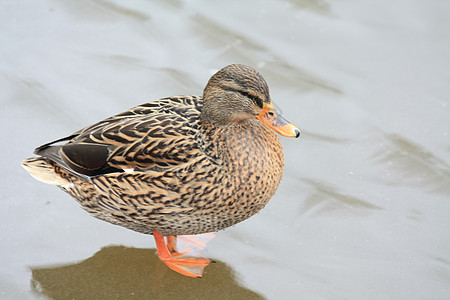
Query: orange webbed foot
[[188, 266]]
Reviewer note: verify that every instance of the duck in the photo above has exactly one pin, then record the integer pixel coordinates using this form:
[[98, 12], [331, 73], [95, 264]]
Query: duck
[[182, 165]]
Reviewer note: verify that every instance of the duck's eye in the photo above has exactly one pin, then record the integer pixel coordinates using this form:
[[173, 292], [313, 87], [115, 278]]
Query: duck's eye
[[255, 99]]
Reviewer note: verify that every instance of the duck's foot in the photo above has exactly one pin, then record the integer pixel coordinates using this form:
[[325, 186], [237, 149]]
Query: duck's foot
[[188, 266]]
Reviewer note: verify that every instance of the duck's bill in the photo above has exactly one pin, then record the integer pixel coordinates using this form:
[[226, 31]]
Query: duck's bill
[[272, 118]]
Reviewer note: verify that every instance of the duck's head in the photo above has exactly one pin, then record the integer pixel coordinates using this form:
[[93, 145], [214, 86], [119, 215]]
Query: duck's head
[[237, 94]]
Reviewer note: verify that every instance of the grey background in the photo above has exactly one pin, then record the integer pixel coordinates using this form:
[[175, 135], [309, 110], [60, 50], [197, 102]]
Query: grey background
[[363, 208]]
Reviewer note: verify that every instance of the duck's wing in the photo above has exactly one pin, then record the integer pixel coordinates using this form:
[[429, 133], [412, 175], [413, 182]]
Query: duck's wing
[[153, 136]]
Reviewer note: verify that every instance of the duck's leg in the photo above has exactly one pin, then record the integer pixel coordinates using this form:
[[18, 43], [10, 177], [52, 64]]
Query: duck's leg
[[171, 243], [188, 266]]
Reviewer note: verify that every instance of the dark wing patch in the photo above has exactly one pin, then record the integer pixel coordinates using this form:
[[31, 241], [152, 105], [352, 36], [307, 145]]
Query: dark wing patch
[[87, 159]]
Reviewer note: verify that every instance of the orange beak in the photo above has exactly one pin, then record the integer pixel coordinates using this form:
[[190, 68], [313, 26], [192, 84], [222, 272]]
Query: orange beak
[[272, 118]]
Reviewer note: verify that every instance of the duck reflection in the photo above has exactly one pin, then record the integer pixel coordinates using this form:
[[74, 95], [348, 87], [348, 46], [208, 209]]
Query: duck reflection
[[118, 272]]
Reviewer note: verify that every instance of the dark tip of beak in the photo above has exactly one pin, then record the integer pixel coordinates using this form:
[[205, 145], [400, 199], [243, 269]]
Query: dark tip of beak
[[297, 133]]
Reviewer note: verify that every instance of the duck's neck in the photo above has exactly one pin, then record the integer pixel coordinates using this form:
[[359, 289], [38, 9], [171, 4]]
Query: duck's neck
[[222, 112], [252, 135], [214, 115]]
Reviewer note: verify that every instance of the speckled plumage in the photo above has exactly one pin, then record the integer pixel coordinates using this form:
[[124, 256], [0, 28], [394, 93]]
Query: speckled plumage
[[168, 166]]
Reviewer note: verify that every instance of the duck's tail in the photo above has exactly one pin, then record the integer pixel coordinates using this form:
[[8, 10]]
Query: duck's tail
[[41, 169]]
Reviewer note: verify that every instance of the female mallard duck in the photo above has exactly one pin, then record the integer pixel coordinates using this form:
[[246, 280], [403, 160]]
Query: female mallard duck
[[176, 166]]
